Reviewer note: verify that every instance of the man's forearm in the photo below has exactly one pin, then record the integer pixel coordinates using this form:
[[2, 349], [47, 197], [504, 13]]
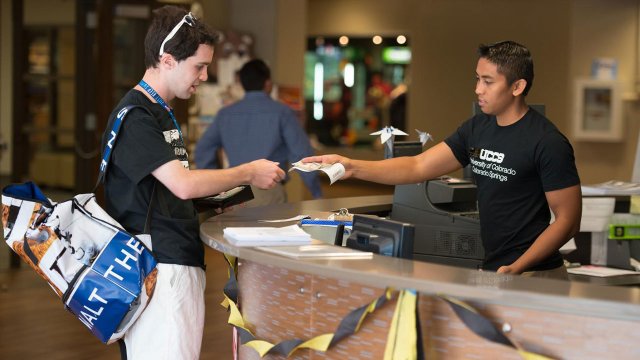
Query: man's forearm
[[437, 161], [402, 170], [189, 184], [549, 241]]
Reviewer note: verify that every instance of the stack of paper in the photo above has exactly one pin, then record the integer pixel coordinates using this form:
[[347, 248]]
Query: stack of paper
[[266, 236], [318, 251], [596, 212], [612, 187], [599, 271]]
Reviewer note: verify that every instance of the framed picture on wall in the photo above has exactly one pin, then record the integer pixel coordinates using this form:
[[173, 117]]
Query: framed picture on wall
[[597, 113]]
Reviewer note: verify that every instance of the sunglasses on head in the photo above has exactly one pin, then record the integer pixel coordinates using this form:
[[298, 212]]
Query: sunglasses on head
[[188, 19]]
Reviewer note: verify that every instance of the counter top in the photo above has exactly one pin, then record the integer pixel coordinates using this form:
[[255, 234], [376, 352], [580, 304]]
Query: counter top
[[470, 285]]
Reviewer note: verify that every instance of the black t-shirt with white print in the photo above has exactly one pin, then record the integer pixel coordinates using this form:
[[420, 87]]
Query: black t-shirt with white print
[[513, 166], [144, 143]]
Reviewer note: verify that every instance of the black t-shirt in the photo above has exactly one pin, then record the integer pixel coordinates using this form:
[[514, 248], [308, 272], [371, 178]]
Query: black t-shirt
[[513, 167], [144, 143]]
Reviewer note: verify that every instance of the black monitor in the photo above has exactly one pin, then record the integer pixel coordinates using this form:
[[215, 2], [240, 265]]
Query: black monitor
[[382, 236], [406, 148], [402, 148]]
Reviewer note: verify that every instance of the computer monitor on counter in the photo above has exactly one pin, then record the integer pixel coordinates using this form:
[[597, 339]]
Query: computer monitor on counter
[[382, 236]]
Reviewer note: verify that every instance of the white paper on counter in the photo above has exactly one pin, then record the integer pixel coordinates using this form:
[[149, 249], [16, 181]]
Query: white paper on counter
[[266, 236], [599, 271]]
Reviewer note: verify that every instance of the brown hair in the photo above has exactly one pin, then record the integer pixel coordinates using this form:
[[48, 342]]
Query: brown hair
[[183, 44]]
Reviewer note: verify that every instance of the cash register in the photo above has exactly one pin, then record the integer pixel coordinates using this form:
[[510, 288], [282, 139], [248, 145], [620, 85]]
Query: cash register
[[445, 215]]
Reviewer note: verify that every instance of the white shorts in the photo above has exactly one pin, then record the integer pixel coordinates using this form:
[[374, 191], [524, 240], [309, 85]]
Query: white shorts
[[172, 324]]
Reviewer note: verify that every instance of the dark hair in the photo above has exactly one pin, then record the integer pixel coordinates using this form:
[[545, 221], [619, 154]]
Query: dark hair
[[512, 59], [183, 44], [254, 74]]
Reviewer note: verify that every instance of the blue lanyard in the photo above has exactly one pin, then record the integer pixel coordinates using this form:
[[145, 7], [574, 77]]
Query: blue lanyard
[[160, 101]]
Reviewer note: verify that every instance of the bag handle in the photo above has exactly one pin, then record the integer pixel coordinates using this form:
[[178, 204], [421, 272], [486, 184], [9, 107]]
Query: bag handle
[[106, 156], [147, 222], [115, 129]]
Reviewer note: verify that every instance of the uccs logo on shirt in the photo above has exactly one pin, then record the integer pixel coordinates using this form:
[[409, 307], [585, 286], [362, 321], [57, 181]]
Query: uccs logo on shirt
[[492, 156]]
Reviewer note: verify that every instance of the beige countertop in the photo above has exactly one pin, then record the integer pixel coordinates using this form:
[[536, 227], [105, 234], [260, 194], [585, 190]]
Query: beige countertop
[[486, 287]]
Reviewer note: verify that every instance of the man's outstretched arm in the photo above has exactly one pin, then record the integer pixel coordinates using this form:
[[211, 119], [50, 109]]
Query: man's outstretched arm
[[190, 184], [437, 161]]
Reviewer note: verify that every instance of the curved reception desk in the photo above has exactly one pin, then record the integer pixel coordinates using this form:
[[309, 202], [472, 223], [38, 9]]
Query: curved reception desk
[[283, 298]]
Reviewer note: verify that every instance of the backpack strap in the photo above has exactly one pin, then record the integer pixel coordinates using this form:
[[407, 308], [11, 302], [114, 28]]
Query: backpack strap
[[147, 221], [113, 135], [106, 156]]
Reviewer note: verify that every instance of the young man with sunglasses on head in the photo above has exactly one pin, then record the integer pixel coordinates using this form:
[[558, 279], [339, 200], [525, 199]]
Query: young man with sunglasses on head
[[150, 160], [521, 164]]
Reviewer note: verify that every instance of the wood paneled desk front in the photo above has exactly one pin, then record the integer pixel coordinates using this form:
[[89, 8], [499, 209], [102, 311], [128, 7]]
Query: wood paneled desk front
[[283, 298]]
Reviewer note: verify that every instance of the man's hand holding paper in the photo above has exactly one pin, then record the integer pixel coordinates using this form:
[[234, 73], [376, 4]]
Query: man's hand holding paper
[[329, 164]]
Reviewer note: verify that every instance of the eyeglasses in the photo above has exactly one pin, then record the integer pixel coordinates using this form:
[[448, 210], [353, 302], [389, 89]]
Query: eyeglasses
[[188, 19]]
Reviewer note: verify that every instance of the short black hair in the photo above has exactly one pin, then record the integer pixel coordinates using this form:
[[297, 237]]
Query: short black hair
[[183, 44], [254, 74], [513, 60]]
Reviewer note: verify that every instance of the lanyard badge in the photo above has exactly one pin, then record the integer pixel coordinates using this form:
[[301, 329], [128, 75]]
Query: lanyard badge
[[160, 101]]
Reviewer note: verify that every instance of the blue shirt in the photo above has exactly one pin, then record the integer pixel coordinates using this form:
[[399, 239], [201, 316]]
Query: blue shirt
[[257, 127]]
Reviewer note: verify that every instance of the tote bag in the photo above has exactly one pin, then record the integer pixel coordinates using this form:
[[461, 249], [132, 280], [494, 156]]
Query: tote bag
[[104, 275]]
